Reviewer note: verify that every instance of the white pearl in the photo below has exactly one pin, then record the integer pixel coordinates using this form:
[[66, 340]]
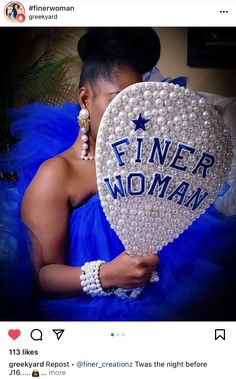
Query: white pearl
[[125, 98], [147, 114], [192, 116], [164, 94], [159, 102], [155, 112], [122, 115], [155, 94], [84, 138], [128, 108], [84, 130], [206, 115], [85, 146], [147, 94], [114, 110], [132, 101], [118, 102], [162, 111], [170, 109], [194, 102], [137, 110], [177, 120], [166, 85], [147, 85], [118, 130], [161, 120], [173, 95], [164, 129], [167, 101], [112, 137], [180, 103], [84, 114], [147, 104]]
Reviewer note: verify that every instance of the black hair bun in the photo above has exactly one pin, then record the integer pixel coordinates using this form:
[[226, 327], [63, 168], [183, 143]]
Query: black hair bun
[[139, 46]]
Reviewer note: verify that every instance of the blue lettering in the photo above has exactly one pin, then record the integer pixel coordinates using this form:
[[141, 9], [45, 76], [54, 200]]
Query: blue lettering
[[158, 180], [195, 200], [139, 149], [209, 162], [130, 177], [178, 156], [180, 191], [118, 188], [118, 153], [156, 150]]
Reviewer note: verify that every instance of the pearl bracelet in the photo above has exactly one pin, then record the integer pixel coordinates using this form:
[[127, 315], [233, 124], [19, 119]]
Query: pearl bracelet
[[90, 279], [135, 292], [154, 277]]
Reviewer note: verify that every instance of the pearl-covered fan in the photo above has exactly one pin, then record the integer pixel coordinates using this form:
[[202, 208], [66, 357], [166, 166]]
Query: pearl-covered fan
[[162, 155]]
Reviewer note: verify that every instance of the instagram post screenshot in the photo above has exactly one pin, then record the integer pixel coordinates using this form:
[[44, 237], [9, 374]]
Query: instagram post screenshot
[[117, 189]]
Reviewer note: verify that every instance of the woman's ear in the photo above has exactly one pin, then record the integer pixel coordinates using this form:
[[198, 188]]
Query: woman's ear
[[83, 97]]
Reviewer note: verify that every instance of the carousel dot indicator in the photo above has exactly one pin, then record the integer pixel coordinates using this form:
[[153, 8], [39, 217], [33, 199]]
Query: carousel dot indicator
[[117, 334]]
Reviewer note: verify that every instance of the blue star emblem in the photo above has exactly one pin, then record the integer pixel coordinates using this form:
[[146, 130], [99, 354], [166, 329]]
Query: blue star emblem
[[140, 122]]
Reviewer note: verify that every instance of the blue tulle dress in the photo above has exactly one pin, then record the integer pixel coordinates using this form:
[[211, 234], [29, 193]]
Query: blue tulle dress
[[197, 270]]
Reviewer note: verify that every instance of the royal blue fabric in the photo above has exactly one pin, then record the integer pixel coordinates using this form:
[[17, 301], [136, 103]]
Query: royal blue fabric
[[197, 270]]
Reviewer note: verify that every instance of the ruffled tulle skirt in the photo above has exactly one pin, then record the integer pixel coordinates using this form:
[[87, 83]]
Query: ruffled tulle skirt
[[197, 271]]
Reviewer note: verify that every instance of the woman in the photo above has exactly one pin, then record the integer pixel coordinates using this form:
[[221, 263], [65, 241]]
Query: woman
[[68, 180], [67, 225], [14, 12]]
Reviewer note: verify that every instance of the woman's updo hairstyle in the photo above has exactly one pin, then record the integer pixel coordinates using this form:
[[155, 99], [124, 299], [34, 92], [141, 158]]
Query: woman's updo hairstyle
[[102, 50]]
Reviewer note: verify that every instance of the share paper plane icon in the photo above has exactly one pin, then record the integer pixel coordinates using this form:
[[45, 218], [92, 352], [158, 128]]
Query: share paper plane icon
[[58, 332]]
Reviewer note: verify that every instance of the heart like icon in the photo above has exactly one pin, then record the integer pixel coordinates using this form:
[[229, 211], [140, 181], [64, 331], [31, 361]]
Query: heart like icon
[[14, 333]]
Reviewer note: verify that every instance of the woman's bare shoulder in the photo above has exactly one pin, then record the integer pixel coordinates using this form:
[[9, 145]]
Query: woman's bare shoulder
[[57, 167], [51, 178]]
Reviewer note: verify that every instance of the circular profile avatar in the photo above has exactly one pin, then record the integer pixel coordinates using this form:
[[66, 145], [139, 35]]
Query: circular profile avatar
[[15, 12]]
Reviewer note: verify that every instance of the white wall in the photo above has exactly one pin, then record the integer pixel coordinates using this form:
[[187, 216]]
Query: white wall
[[173, 62]]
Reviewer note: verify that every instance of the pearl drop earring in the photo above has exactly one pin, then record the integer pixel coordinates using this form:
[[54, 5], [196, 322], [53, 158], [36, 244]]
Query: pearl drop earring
[[84, 123]]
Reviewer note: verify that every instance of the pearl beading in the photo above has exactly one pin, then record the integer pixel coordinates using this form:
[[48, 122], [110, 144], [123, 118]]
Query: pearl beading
[[83, 120], [154, 277], [145, 224], [135, 292], [128, 293], [90, 279], [91, 284]]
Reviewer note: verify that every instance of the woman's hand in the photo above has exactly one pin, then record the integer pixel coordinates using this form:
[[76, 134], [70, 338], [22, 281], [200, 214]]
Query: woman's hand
[[126, 271]]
